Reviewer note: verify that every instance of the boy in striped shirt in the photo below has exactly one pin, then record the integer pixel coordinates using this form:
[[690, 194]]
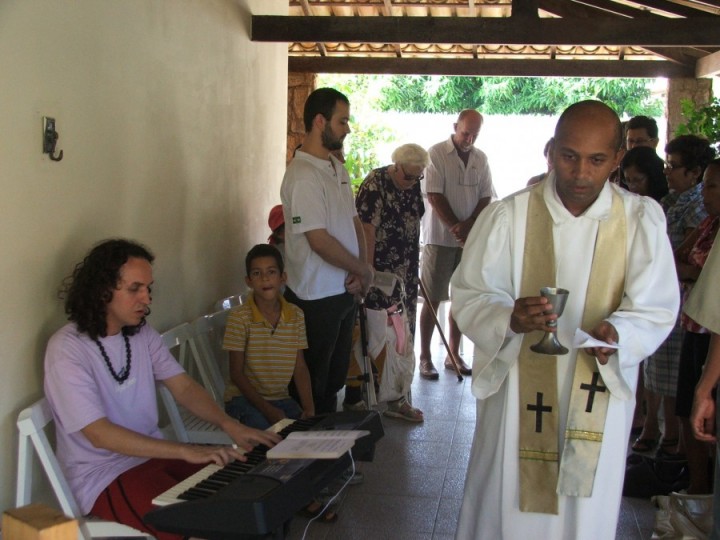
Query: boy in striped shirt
[[266, 338]]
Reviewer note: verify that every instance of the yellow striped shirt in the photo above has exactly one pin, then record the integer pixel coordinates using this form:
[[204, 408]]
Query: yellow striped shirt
[[270, 354]]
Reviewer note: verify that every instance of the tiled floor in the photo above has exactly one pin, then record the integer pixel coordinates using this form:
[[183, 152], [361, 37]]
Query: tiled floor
[[413, 488]]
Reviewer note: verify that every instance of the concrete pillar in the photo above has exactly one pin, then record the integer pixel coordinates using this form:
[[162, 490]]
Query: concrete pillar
[[300, 85], [699, 91]]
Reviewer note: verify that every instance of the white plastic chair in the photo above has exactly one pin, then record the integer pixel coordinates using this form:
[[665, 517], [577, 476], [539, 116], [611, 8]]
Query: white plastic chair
[[31, 424], [208, 332], [230, 302], [186, 426]]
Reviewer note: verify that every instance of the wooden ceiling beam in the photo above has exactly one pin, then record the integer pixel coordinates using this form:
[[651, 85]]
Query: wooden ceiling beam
[[524, 8], [700, 31], [606, 8], [685, 55], [670, 7], [708, 66], [491, 67], [591, 10], [387, 12], [307, 11], [565, 9], [709, 3]]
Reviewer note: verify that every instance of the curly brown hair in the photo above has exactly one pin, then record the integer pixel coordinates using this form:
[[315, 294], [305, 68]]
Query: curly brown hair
[[89, 289]]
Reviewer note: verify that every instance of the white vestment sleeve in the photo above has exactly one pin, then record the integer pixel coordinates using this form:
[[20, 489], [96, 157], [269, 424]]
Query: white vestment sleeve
[[651, 301], [483, 298]]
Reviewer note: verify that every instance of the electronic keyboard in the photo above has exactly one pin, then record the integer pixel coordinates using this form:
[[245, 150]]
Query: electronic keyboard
[[258, 497]]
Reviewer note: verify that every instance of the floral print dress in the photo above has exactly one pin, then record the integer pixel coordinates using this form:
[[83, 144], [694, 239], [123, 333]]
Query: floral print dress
[[395, 214]]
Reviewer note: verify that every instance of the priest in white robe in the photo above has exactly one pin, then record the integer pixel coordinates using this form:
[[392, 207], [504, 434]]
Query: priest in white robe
[[489, 308]]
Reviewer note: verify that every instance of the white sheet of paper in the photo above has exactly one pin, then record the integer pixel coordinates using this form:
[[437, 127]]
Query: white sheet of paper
[[583, 340]]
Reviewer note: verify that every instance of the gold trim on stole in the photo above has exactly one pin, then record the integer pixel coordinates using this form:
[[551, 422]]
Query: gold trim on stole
[[539, 467]]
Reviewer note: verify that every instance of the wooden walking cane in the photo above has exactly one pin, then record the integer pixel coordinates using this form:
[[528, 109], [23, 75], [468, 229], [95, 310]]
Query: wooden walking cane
[[453, 359]]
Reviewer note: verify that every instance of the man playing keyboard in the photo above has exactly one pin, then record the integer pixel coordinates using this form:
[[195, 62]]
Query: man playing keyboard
[[100, 376]]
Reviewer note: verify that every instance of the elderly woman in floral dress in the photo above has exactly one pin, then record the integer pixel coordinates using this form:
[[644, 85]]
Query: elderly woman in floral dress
[[389, 205]]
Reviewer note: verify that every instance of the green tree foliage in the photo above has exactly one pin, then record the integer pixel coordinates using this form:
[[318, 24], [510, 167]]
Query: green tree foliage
[[704, 120], [365, 122], [515, 95], [426, 94], [371, 95]]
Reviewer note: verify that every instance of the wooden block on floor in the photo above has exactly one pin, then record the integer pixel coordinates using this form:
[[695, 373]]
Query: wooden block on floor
[[38, 522]]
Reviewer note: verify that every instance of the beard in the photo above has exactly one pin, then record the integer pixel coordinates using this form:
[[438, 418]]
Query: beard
[[330, 141]]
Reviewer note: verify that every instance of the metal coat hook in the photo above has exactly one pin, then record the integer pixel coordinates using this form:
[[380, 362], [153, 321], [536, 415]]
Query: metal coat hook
[[50, 137]]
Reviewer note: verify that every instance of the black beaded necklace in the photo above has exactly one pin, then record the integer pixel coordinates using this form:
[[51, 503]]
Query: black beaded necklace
[[124, 372]]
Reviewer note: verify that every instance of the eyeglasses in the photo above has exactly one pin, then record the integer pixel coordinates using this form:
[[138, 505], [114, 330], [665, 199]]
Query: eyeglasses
[[633, 142], [672, 167], [409, 177]]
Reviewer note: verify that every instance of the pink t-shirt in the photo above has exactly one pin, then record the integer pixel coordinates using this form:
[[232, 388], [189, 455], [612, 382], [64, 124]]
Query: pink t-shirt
[[81, 390]]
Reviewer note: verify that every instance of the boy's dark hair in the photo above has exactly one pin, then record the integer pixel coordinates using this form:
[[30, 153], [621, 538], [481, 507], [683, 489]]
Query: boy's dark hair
[[89, 289], [694, 151], [321, 101], [263, 250], [643, 122]]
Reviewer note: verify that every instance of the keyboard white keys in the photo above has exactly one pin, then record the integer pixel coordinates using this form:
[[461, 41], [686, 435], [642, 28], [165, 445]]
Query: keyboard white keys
[[278, 426], [171, 495]]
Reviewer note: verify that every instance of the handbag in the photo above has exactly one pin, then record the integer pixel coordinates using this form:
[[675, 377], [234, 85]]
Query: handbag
[[646, 477], [395, 361], [397, 375], [682, 517]]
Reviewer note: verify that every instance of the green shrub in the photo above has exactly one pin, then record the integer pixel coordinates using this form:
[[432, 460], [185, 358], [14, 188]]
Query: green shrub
[[704, 121]]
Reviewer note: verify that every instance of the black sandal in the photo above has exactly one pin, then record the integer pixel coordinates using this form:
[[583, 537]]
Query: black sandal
[[666, 444], [664, 454], [644, 445]]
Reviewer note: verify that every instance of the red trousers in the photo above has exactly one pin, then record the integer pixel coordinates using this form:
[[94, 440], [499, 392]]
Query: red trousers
[[130, 496]]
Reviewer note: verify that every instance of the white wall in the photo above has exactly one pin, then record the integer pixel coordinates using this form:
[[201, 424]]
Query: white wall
[[173, 129]]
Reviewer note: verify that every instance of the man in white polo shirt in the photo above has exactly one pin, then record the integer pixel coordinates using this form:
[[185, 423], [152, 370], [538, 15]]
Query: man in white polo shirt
[[458, 185], [324, 244]]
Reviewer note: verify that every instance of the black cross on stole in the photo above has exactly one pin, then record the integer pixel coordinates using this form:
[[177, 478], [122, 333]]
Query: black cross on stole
[[539, 409], [592, 388]]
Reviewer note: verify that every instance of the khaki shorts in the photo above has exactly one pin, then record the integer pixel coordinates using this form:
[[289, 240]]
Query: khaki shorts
[[438, 265]]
